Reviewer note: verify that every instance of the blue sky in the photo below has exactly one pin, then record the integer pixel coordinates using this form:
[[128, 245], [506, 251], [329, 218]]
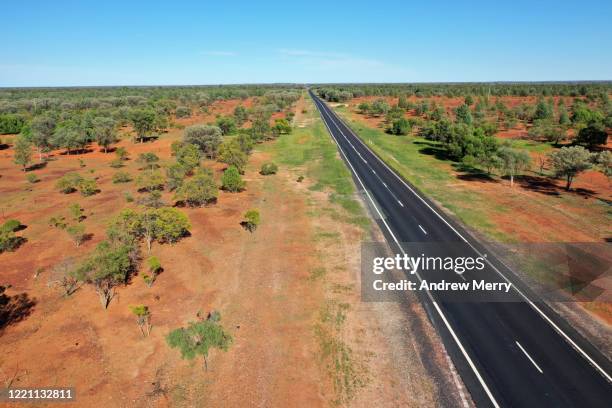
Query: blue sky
[[201, 42]]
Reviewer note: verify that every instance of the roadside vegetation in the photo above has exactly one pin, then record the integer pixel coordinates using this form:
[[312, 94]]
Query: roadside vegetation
[[529, 137]]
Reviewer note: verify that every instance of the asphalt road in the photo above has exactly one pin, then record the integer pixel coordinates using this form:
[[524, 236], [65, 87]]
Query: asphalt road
[[512, 353]]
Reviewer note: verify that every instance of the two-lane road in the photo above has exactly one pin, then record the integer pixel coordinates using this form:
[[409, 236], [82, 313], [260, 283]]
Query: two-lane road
[[515, 353]]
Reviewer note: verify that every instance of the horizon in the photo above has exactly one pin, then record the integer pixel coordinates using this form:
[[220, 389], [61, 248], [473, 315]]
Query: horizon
[[89, 45], [571, 81]]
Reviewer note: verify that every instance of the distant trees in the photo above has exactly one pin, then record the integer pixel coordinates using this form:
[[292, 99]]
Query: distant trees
[[227, 124], [207, 138], [231, 180], [379, 107], [543, 111], [241, 115], [23, 152], [105, 132], [463, 115], [183, 112], [11, 123], [568, 162], [547, 130], [70, 136], [41, 133], [143, 122]]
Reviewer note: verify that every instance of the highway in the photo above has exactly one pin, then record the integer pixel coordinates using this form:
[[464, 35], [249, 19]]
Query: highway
[[512, 353]]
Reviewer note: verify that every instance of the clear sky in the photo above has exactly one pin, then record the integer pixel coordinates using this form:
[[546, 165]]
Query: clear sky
[[59, 43]]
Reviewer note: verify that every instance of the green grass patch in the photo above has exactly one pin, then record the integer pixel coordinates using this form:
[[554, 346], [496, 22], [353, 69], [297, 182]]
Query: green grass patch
[[311, 148], [418, 161]]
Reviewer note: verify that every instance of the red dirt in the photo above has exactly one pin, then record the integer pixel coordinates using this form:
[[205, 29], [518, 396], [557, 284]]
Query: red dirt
[[221, 266]]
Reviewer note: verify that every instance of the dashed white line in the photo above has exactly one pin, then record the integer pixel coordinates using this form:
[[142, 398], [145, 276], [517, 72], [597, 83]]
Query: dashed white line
[[531, 303], [423, 229], [434, 303], [529, 357], [400, 203]]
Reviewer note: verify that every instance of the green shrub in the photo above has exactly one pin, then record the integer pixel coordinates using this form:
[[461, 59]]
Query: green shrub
[[154, 269], [183, 112], [231, 180], [121, 177], [199, 190], [197, 338], [88, 187], [32, 178], [268, 168], [251, 220], [11, 225], [69, 182]]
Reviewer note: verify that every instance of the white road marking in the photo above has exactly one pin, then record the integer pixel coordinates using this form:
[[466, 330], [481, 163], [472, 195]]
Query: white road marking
[[533, 305], [438, 310], [529, 357], [400, 203], [423, 229]]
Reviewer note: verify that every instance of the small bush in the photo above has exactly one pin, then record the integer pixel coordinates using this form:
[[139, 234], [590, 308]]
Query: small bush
[[231, 180], [183, 112], [88, 187], [11, 225], [268, 168], [121, 153], [32, 178], [155, 269], [300, 179], [58, 222], [117, 163], [251, 220], [69, 182], [128, 197], [121, 177], [154, 265]]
